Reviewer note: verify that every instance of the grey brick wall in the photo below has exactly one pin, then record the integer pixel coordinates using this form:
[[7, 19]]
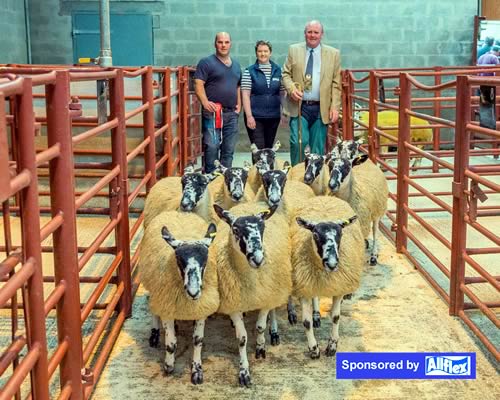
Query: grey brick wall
[[12, 32], [369, 33]]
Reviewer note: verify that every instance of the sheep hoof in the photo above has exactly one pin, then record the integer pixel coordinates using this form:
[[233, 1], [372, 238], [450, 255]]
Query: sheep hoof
[[245, 379], [196, 374], [292, 317], [275, 338], [331, 348], [316, 319], [154, 339], [373, 260], [260, 352], [314, 352], [168, 369], [367, 244], [348, 296]]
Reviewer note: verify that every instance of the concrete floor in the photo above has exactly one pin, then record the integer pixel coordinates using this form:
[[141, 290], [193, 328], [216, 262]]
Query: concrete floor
[[395, 310]]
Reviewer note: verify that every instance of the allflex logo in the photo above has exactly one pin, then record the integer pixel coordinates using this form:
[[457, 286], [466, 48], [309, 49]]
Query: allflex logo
[[448, 365]]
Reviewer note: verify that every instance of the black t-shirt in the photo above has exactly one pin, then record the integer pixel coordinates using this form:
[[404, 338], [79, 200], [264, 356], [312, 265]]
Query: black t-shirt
[[221, 81]]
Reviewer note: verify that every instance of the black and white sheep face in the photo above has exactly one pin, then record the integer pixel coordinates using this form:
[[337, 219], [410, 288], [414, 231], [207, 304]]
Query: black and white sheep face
[[274, 185], [340, 169], [248, 233], [313, 165], [235, 180], [327, 237], [194, 187], [266, 156], [191, 259], [347, 149]]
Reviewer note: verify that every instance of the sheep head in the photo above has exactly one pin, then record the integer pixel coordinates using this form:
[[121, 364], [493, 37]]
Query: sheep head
[[191, 259], [274, 182], [327, 236], [194, 187], [267, 155], [247, 233], [313, 165]]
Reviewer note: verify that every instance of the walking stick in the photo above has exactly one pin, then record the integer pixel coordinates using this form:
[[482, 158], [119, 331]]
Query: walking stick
[[298, 86]]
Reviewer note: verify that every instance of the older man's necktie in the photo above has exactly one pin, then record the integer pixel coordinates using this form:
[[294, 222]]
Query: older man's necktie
[[309, 71]]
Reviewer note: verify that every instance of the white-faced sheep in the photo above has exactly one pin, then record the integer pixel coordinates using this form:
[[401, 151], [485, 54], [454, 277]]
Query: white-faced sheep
[[178, 269], [255, 273], [234, 189], [390, 118], [346, 149], [267, 158], [195, 194], [327, 260], [364, 186]]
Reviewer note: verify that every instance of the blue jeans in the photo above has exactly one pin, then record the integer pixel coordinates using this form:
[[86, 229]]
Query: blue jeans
[[212, 143], [313, 134]]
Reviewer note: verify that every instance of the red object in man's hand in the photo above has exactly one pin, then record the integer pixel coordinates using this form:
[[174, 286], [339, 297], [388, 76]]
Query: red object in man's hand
[[218, 116]]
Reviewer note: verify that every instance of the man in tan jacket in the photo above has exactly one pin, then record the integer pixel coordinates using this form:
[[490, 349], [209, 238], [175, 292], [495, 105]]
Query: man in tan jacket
[[311, 76]]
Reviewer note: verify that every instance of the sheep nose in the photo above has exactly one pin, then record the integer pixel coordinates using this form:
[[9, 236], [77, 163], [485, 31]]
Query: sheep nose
[[331, 266], [308, 179], [194, 293], [237, 196], [186, 205], [255, 260]]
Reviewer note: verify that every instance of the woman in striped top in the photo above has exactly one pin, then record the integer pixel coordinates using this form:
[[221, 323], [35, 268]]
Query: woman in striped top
[[260, 90]]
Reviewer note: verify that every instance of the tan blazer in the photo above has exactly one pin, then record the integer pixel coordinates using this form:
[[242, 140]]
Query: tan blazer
[[330, 88]]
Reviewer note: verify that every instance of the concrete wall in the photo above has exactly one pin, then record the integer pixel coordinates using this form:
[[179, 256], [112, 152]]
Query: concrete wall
[[13, 47], [369, 33]]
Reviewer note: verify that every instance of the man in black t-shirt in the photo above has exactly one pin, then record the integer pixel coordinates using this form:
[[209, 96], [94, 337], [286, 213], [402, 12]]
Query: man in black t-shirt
[[217, 81]]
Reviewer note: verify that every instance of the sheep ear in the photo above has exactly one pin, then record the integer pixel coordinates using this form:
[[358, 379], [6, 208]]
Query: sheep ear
[[189, 169], [254, 148], [360, 160], [307, 151], [305, 224], [277, 145], [246, 165], [210, 235], [359, 142], [223, 214], [211, 176], [220, 167], [267, 213], [346, 222], [286, 167], [174, 243]]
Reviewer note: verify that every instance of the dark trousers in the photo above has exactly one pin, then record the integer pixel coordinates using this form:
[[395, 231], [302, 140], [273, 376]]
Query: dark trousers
[[264, 133]]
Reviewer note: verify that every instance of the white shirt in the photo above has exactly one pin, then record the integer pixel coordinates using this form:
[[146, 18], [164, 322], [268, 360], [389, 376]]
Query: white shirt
[[316, 75]]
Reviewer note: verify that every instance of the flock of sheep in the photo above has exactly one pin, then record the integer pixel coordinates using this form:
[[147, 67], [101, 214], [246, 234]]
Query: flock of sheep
[[244, 239]]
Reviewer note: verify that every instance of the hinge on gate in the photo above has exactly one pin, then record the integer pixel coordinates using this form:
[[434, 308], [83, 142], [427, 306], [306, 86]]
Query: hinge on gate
[[476, 193], [456, 189], [87, 376], [114, 193]]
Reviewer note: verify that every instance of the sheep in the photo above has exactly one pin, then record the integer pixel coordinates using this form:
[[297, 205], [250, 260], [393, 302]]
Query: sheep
[[391, 118], [179, 270], [311, 172], [255, 273], [195, 194], [328, 262], [365, 189], [267, 158], [234, 189]]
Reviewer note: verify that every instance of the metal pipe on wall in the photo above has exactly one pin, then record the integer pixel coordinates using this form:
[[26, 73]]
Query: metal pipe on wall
[[105, 59], [27, 26]]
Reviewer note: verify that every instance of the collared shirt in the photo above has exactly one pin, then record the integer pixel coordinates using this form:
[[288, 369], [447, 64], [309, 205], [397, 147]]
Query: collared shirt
[[316, 76], [488, 59]]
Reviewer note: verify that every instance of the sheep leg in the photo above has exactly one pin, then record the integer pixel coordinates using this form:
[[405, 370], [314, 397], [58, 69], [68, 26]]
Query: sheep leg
[[331, 348], [196, 367], [418, 160], [241, 335], [292, 313], [316, 314], [374, 250], [260, 349], [171, 346], [273, 328], [154, 338], [307, 321]]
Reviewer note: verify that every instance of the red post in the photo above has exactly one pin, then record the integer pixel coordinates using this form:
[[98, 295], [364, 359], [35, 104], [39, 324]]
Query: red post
[[459, 187], [30, 223], [372, 123], [403, 162], [65, 242], [119, 157], [436, 132], [149, 127], [167, 115], [183, 114]]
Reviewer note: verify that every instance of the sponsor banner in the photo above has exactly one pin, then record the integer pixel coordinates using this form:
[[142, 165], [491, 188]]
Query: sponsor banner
[[406, 365]]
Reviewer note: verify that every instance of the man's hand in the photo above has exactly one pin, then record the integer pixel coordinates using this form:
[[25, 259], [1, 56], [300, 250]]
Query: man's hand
[[237, 109], [210, 106], [334, 116], [251, 122], [296, 95]]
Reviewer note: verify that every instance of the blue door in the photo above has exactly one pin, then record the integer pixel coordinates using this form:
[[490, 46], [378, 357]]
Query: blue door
[[131, 38]]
